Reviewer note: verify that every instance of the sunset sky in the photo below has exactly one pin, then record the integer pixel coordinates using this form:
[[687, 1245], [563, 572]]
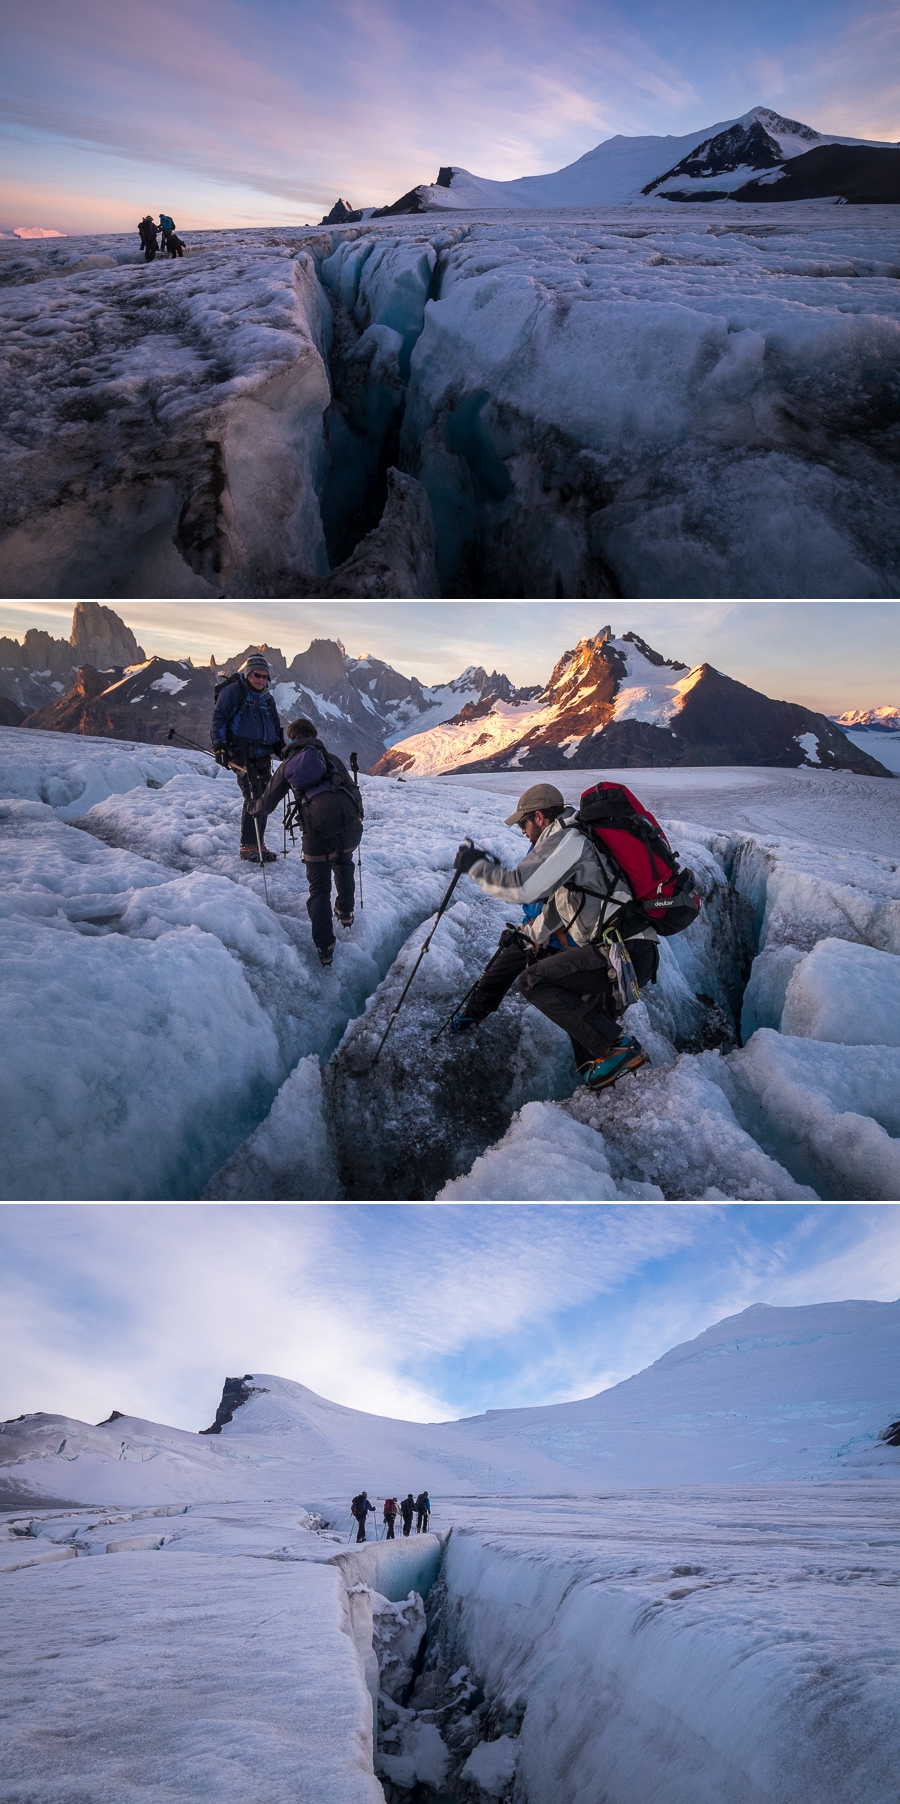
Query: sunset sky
[[826, 655], [237, 112]]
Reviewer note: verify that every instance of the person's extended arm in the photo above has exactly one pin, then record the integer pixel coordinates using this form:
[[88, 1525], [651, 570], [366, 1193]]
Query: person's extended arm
[[537, 876]]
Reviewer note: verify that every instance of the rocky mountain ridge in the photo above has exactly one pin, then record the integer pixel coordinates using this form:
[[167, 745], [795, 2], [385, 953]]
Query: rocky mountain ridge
[[100, 682], [617, 703]]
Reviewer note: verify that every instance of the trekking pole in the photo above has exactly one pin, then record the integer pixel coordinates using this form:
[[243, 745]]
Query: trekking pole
[[191, 742], [262, 862], [354, 766], [396, 1011], [455, 1011]]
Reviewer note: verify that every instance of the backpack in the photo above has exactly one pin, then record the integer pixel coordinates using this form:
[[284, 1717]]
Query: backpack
[[620, 827], [166, 224]]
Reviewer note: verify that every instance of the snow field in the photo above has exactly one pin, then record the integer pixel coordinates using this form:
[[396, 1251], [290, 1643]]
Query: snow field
[[224, 1648], [734, 1650]]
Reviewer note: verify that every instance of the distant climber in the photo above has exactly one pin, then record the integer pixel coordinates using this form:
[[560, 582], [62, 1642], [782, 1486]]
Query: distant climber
[[389, 1515], [175, 245], [407, 1511], [423, 1511], [147, 235], [331, 816], [166, 227], [246, 730], [584, 946], [359, 1509]]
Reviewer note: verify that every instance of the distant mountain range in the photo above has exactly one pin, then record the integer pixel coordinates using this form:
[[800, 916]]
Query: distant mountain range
[[610, 702], [614, 703], [761, 156], [100, 682], [868, 720]]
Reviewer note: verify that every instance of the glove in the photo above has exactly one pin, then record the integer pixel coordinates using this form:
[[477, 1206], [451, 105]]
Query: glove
[[467, 856], [511, 936], [221, 756], [281, 749]]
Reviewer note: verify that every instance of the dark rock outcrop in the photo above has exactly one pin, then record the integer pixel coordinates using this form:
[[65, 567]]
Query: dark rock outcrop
[[100, 637], [342, 214], [235, 1391], [860, 174]]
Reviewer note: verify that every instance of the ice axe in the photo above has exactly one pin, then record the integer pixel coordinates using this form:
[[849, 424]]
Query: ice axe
[[456, 877]]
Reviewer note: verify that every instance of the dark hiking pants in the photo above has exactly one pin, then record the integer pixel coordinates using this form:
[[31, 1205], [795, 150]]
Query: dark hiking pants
[[259, 770], [328, 855], [361, 1528], [422, 1524], [389, 1528], [573, 989], [407, 1524]]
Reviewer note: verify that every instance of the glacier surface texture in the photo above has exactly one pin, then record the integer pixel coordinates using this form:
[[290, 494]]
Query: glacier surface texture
[[670, 401], [135, 945]]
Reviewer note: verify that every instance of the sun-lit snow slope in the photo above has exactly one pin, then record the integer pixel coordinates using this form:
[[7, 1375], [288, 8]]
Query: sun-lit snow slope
[[618, 169], [771, 1393], [642, 691], [733, 1647], [227, 1645]]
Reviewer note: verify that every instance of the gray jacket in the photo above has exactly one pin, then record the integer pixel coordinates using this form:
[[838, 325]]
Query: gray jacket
[[583, 892]]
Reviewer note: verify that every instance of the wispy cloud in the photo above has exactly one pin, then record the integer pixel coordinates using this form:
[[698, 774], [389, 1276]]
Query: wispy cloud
[[275, 106], [422, 1312]]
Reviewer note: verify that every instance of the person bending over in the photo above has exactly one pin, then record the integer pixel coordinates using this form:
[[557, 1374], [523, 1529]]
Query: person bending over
[[579, 917], [331, 817]]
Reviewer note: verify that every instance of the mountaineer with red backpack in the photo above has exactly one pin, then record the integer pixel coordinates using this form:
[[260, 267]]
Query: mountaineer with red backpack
[[597, 889]]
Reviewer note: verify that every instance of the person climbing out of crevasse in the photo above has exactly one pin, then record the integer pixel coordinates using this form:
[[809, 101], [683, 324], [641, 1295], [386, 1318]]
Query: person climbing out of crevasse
[[423, 1511], [407, 1511], [359, 1509], [331, 816], [246, 730], [567, 957], [389, 1516]]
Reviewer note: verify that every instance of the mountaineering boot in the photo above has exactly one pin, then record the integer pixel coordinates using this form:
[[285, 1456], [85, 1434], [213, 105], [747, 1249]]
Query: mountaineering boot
[[463, 1023], [326, 955], [269, 857], [250, 855], [345, 920], [627, 1055]]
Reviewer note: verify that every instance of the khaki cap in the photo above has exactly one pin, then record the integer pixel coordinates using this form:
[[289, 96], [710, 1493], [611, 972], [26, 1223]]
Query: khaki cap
[[541, 795]]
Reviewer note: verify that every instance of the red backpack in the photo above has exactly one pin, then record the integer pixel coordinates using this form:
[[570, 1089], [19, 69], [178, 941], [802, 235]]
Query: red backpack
[[618, 825]]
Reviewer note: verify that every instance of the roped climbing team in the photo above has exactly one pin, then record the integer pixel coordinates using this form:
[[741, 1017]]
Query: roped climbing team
[[406, 1508], [246, 732], [580, 962]]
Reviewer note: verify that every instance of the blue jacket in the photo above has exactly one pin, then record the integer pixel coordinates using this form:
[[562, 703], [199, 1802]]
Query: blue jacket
[[241, 714]]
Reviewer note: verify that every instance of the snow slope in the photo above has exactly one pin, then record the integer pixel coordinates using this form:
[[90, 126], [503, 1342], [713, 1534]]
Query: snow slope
[[796, 1393], [619, 169]]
